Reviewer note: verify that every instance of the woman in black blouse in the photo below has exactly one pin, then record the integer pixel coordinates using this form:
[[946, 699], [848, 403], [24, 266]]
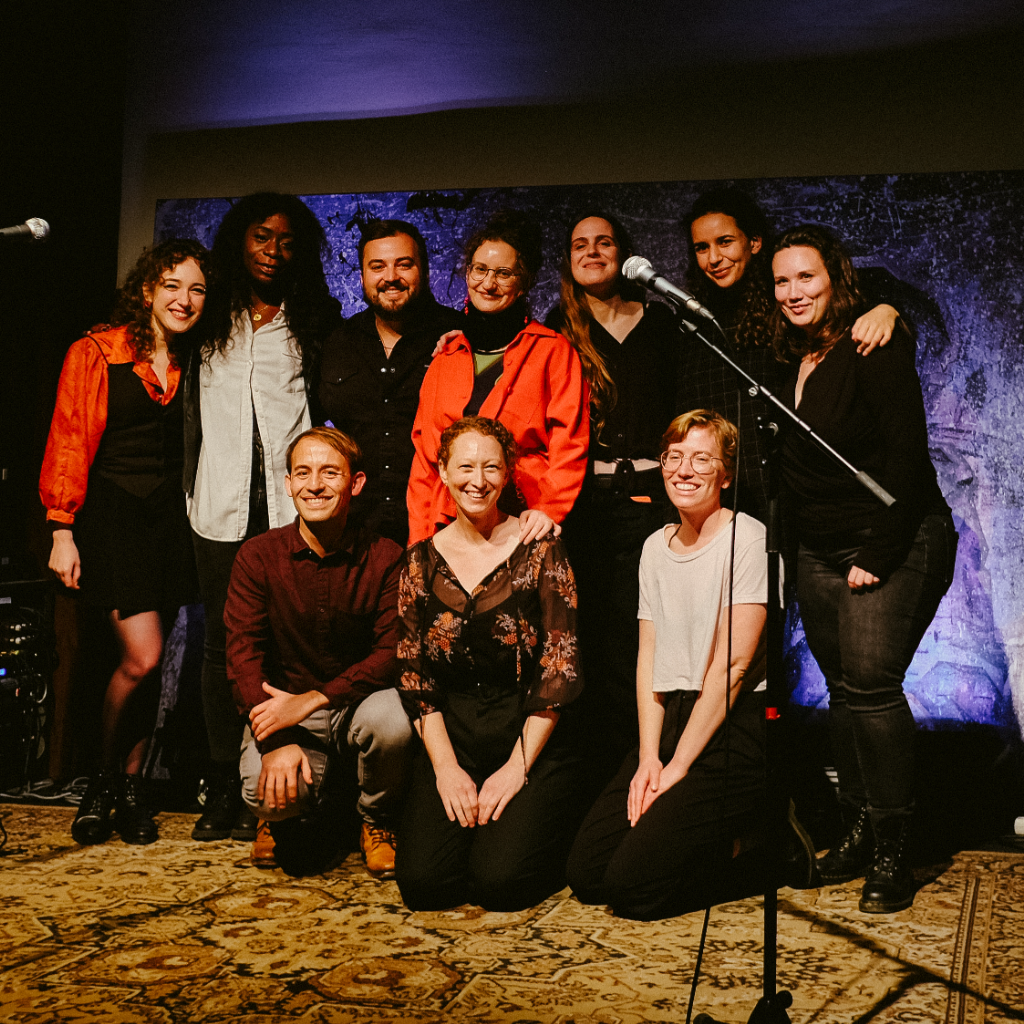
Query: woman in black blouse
[[869, 577], [630, 355], [488, 655]]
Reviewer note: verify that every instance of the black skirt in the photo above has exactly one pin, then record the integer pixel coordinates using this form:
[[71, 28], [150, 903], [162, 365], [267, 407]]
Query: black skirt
[[136, 552]]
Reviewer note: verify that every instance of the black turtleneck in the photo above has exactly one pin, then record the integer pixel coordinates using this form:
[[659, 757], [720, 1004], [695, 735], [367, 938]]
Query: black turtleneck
[[491, 332]]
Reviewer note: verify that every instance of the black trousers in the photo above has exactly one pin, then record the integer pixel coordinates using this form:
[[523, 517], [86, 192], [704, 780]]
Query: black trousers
[[679, 856], [864, 642], [508, 864], [605, 535], [224, 725]]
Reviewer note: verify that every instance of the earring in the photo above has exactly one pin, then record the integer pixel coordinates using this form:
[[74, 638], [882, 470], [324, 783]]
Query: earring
[[465, 306], [147, 305]]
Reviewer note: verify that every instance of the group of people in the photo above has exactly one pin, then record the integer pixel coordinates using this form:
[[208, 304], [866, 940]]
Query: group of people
[[513, 591]]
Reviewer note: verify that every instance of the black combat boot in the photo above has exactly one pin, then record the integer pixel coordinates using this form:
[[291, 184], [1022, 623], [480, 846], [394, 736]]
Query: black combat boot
[[889, 885], [222, 807], [133, 817], [92, 821], [851, 856]]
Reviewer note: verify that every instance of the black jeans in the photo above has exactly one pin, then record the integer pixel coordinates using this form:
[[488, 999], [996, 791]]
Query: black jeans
[[224, 724], [864, 642], [679, 856]]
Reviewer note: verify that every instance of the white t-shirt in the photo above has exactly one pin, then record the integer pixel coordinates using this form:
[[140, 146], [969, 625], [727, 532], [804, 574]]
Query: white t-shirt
[[684, 596], [262, 371]]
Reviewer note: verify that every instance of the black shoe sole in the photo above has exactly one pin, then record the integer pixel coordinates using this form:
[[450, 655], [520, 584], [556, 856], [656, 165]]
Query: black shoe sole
[[842, 879], [83, 834], [207, 835], [138, 838], [881, 907]]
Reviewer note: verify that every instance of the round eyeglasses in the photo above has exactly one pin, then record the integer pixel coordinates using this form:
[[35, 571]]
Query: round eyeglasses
[[478, 272], [701, 462]]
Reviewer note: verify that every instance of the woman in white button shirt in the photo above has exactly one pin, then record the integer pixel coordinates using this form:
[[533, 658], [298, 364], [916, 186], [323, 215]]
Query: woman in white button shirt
[[246, 400]]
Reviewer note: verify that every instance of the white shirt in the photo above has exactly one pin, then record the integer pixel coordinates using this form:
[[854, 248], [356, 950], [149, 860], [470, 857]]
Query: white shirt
[[261, 371], [684, 596]]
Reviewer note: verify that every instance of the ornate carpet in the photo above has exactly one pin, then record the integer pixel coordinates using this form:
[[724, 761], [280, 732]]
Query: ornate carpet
[[183, 932]]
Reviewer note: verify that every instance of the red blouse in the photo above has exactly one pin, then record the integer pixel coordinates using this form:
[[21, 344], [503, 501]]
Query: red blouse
[[80, 416]]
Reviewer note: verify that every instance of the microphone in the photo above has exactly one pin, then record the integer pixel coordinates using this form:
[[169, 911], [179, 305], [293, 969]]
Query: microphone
[[35, 229], [636, 268]]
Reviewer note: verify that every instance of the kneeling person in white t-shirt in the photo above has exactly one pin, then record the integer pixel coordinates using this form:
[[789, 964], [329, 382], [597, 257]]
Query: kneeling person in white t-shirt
[[670, 833]]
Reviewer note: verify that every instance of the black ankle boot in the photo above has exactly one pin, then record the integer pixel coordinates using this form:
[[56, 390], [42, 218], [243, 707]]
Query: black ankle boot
[[133, 818], [223, 803], [92, 822], [889, 885], [851, 856]]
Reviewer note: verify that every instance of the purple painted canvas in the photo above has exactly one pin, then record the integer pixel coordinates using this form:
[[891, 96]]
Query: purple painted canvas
[[947, 250]]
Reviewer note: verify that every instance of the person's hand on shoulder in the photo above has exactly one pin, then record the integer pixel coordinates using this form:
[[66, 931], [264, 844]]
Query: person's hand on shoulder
[[535, 524]]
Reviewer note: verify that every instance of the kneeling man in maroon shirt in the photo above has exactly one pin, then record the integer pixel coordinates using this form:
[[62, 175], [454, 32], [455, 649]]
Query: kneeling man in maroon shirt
[[312, 626]]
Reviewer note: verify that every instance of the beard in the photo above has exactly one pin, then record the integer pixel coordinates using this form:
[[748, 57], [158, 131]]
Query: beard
[[391, 306]]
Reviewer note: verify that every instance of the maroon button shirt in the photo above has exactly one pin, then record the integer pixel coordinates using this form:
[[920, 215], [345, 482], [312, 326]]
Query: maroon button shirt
[[304, 623]]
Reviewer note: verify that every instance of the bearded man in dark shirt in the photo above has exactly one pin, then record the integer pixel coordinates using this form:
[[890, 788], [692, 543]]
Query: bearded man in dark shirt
[[373, 366]]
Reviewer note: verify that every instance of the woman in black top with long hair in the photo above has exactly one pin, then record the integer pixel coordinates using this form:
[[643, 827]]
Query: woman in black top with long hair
[[869, 577], [630, 354]]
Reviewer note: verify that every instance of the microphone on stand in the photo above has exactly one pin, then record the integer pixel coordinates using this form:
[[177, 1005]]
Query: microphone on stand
[[35, 229], [636, 268]]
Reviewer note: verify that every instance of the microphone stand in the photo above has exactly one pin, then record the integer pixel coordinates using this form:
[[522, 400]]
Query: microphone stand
[[772, 1006]]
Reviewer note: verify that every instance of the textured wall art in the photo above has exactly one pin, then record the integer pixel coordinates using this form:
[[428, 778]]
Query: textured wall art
[[949, 250]]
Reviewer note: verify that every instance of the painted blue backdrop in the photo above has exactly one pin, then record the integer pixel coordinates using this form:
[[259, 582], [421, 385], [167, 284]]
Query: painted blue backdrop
[[954, 247]]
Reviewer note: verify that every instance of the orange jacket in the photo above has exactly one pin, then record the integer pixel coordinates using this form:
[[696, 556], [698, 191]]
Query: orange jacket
[[543, 399], [80, 417]]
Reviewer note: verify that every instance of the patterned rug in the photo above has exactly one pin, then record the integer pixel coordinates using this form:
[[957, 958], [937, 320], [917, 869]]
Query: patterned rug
[[182, 932]]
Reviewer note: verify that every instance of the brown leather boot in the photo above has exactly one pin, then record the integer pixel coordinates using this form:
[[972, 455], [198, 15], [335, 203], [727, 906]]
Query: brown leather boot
[[378, 846], [262, 855]]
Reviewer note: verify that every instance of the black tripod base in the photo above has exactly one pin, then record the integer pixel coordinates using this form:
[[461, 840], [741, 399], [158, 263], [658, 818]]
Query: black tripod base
[[769, 1010]]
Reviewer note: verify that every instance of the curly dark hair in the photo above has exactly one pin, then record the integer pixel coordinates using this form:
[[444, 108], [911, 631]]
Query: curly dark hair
[[132, 309], [309, 308], [517, 229], [751, 300], [844, 301]]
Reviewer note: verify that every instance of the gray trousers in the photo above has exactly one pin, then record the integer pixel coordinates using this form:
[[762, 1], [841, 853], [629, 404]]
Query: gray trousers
[[377, 730]]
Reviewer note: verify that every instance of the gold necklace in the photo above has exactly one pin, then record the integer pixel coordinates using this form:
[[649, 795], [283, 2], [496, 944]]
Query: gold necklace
[[257, 315]]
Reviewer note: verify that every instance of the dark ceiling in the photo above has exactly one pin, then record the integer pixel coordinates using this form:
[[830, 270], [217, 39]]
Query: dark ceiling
[[243, 62]]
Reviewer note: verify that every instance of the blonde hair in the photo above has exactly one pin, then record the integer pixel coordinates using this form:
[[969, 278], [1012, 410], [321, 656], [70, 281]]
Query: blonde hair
[[725, 433]]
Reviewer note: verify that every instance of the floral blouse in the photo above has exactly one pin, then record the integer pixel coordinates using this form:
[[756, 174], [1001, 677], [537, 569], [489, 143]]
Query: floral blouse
[[516, 633]]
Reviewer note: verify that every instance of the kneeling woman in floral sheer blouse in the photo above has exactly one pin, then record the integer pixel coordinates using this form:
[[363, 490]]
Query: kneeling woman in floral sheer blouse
[[489, 660]]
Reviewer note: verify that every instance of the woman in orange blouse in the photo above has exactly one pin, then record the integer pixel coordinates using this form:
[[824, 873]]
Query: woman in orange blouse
[[111, 484]]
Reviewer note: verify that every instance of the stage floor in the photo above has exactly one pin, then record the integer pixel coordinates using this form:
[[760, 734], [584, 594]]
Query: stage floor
[[181, 932]]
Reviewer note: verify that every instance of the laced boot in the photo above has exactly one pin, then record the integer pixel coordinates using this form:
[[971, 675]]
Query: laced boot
[[851, 856], [889, 885], [262, 855], [223, 804], [378, 846], [133, 817], [92, 821]]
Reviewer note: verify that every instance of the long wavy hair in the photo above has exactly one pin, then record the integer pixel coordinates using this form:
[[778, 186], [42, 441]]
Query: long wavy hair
[[577, 317], [753, 293], [134, 311], [844, 300], [310, 310]]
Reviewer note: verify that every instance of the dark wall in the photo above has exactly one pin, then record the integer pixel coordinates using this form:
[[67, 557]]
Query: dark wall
[[954, 106], [62, 95]]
